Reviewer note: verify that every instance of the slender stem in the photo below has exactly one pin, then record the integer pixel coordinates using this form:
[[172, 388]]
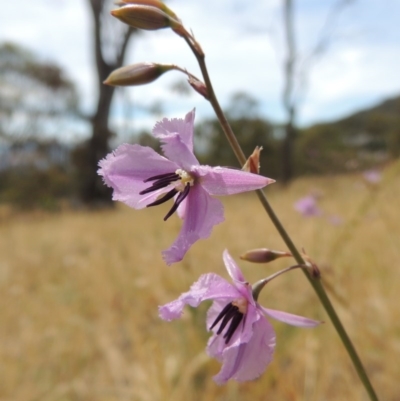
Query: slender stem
[[259, 285], [315, 283], [177, 68], [214, 102]]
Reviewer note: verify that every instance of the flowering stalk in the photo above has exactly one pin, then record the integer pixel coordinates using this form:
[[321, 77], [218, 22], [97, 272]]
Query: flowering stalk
[[315, 283], [153, 15]]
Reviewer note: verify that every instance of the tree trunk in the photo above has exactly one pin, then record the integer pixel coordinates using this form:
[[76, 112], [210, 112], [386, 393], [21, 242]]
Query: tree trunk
[[287, 152], [92, 190], [288, 101]]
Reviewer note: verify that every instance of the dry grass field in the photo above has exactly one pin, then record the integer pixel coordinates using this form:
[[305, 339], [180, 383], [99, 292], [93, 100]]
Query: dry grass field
[[80, 290]]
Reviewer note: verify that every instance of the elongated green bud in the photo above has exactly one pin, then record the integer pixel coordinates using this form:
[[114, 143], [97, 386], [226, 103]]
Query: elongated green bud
[[145, 17], [137, 74], [263, 255]]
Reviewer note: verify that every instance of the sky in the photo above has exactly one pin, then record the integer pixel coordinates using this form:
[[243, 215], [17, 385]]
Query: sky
[[245, 50]]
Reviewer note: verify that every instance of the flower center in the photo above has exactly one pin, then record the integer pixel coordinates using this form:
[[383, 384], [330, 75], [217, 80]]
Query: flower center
[[241, 304], [183, 181], [233, 313]]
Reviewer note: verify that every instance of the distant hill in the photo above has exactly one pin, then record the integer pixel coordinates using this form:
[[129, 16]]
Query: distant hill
[[364, 139], [389, 107]]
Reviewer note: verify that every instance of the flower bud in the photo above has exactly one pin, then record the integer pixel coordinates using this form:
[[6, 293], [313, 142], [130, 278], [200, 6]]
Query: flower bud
[[137, 74], [252, 164], [145, 17], [372, 177], [199, 87], [312, 266], [263, 255], [152, 3]]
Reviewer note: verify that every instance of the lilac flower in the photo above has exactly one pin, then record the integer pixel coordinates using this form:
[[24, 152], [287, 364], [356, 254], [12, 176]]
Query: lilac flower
[[243, 339], [372, 176], [142, 178], [307, 206], [335, 220]]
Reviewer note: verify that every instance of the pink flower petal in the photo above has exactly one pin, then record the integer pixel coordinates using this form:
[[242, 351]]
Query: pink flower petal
[[288, 318], [184, 127], [127, 167], [237, 277], [232, 268], [176, 136], [176, 150], [216, 344], [308, 206], [372, 176], [248, 360], [208, 286], [181, 211], [220, 181], [202, 214]]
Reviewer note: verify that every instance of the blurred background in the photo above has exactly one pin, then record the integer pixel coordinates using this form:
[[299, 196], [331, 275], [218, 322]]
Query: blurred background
[[316, 84]]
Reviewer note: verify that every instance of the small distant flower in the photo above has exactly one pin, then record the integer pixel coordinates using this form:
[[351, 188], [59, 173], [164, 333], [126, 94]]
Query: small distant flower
[[372, 176], [142, 178], [335, 220], [243, 340], [308, 206]]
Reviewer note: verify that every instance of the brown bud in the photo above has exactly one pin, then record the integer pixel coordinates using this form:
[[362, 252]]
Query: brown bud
[[314, 269], [263, 255], [199, 87], [152, 3], [252, 164], [145, 17], [137, 74]]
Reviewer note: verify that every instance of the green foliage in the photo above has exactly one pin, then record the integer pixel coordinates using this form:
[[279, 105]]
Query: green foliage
[[37, 101], [146, 139], [360, 141], [320, 150], [251, 131], [215, 150], [36, 97], [28, 188]]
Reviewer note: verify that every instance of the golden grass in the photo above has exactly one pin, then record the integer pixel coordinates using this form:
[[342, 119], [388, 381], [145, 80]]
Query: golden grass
[[79, 297]]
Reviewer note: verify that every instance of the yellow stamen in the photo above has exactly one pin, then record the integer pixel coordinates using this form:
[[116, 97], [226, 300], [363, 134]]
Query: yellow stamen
[[241, 304], [185, 177]]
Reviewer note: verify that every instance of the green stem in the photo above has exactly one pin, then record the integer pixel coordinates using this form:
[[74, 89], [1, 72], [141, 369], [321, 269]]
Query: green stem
[[214, 102], [259, 285], [315, 283]]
